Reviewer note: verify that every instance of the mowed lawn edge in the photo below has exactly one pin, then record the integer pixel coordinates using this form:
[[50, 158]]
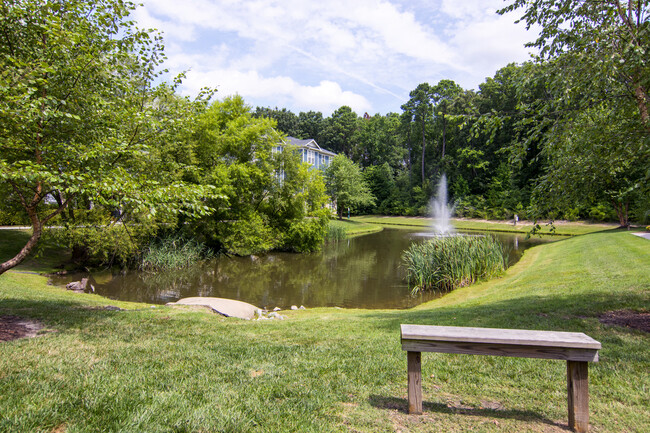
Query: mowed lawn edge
[[558, 228], [166, 369]]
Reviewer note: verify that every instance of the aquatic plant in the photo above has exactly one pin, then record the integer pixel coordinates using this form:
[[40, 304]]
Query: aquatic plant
[[173, 252], [446, 263], [335, 232]]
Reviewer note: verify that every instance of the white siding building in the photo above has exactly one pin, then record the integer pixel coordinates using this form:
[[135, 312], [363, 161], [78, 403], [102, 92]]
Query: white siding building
[[311, 152]]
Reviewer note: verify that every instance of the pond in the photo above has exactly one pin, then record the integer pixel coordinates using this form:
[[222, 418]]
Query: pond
[[362, 272]]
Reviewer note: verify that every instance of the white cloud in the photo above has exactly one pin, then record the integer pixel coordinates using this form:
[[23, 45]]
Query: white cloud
[[326, 97], [346, 52]]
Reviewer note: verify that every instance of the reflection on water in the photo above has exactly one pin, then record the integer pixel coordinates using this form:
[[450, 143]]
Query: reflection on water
[[363, 272]]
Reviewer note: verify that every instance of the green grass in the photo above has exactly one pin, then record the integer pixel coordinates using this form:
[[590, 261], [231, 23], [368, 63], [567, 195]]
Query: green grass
[[45, 257], [350, 228], [561, 227], [174, 370]]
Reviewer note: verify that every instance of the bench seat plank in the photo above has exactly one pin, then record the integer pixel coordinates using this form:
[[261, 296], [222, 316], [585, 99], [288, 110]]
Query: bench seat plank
[[468, 348], [516, 337]]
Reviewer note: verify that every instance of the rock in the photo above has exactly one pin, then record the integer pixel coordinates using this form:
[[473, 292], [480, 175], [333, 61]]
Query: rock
[[225, 307], [258, 312], [77, 286], [277, 309], [302, 307], [293, 307], [273, 315]]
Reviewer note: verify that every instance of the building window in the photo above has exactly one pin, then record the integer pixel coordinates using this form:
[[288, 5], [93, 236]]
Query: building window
[[310, 157]]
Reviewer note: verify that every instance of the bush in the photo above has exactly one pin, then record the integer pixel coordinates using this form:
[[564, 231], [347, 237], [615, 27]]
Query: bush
[[306, 235], [249, 236], [116, 244], [446, 263]]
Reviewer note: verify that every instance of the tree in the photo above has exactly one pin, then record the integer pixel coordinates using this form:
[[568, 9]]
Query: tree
[[270, 199], [310, 125], [419, 109], [286, 121], [347, 185], [339, 133], [603, 44], [442, 96], [596, 56], [595, 158], [77, 112]]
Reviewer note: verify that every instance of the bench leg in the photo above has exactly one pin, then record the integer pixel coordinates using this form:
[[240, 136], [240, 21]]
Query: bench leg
[[415, 382], [577, 374]]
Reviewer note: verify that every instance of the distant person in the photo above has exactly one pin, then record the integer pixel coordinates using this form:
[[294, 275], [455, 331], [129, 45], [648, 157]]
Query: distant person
[[516, 219]]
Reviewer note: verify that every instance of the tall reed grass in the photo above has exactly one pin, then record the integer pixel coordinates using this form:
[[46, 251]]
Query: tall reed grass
[[173, 252], [446, 263], [335, 232]]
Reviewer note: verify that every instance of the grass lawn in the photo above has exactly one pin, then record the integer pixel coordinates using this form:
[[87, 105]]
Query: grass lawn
[[353, 227], [564, 228], [165, 369]]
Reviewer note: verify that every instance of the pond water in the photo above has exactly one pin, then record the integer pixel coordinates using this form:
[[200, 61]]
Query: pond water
[[362, 272]]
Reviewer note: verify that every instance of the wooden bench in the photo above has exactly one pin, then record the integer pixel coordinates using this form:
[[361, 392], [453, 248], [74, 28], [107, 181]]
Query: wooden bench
[[577, 349]]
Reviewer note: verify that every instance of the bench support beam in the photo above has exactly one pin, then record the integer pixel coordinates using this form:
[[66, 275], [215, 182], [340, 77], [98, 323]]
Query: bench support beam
[[577, 374], [415, 383]]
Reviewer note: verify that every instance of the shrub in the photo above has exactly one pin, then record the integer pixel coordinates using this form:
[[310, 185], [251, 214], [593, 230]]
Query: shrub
[[446, 263], [306, 235], [249, 236]]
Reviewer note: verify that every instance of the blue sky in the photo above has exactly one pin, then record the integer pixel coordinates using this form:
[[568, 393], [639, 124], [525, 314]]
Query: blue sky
[[319, 55]]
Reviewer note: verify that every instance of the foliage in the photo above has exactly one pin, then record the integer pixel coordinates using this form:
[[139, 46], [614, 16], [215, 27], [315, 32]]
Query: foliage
[[595, 117], [307, 235], [270, 199], [446, 263], [104, 244], [77, 112], [346, 185]]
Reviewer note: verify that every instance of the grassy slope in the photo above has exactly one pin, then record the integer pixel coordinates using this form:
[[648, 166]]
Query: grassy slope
[[356, 228], [561, 228], [164, 369]]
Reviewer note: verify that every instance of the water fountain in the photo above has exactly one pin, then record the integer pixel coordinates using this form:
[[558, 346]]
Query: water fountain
[[441, 211]]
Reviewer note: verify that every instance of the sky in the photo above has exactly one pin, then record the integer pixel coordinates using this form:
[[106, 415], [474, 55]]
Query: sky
[[319, 55]]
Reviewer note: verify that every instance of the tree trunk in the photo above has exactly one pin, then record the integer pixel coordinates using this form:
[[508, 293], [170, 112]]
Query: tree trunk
[[424, 146], [444, 130], [621, 213], [642, 102], [37, 230]]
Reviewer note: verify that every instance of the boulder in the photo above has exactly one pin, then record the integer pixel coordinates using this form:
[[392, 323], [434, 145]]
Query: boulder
[[77, 286], [223, 306]]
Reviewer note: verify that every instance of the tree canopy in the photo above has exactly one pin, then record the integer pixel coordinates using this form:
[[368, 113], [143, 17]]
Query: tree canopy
[[77, 111]]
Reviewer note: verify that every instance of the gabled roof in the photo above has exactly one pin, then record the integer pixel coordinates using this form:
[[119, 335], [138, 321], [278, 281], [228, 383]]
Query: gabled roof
[[309, 143]]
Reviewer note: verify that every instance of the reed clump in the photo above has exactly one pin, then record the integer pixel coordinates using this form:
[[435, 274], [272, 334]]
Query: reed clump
[[446, 263], [173, 252], [335, 232]]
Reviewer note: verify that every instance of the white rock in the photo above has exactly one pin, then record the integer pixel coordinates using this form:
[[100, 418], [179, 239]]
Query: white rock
[[293, 307], [277, 309], [302, 307]]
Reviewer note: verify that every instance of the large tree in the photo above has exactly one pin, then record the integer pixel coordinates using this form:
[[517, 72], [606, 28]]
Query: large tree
[[78, 110], [605, 44], [346, 185], [596, 58]]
